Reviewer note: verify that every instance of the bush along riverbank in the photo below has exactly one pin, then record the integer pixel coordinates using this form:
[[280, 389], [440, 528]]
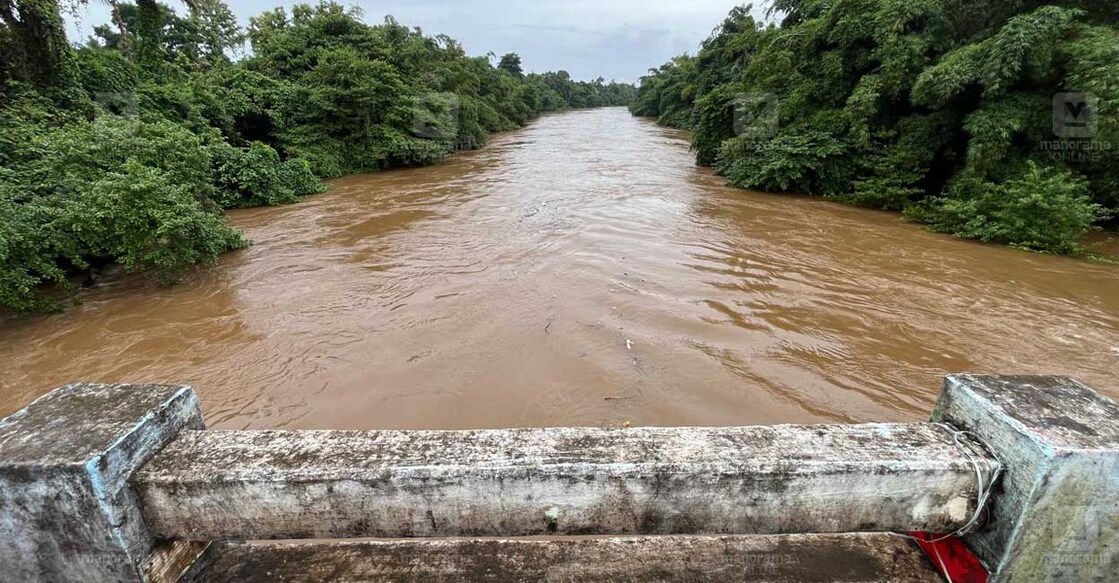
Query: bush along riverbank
[[126, 149], [986, 119]]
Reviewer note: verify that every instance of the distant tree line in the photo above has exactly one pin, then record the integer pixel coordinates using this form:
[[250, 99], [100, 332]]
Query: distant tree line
[[126, 150], [995, 120]]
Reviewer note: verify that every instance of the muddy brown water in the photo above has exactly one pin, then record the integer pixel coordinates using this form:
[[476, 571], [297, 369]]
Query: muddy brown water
[[581, 271]]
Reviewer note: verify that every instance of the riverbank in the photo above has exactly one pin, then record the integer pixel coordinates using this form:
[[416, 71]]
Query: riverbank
[[125, 150], [1098, 244], [254, 176], [961, 138]]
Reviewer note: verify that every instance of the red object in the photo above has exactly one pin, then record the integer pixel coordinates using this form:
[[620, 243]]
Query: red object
[[952, 558]]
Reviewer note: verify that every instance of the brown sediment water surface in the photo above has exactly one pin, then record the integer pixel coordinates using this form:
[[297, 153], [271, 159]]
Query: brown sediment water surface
[[581, 271]]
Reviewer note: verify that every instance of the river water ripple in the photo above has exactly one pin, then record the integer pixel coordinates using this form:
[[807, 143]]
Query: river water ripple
[[581, 271]]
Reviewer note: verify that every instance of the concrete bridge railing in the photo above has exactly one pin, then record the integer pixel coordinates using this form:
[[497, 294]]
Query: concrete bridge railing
[[121, 483]]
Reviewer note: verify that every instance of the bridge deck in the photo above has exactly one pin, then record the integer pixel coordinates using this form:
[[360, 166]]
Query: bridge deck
[[864, 558]]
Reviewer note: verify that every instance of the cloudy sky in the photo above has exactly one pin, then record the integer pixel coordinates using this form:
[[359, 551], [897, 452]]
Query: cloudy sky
[[615, 39]]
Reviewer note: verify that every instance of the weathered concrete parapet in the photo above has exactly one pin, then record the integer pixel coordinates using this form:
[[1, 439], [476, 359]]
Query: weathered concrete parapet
[[222, 485], [1055, 515], [66, 510]]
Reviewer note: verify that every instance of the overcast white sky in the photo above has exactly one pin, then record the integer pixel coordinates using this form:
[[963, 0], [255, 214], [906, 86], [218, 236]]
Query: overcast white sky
[[615, 39]]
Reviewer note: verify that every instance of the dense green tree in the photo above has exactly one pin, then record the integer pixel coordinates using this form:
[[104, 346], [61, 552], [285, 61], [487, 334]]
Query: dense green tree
[[511, 63], [214, 31], [33, 46], [941, 108], [127, 149], [203, 37]]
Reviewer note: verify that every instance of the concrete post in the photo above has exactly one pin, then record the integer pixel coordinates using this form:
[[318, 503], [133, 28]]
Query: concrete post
[[1055, 514], [66, 510]]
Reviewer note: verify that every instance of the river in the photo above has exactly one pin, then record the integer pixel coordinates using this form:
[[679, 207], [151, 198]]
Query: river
[[581, 271]]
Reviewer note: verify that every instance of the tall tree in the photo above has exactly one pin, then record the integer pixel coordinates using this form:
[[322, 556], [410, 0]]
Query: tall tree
[[511, 63], [149, 29], [33, 43], [216, 30]]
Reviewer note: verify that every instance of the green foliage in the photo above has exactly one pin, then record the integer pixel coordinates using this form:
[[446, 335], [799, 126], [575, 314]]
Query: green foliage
[[255, 176], [127, 149], [812, 162], [1024, 47], [76, 154], [115, 189], [1003, 130], [108, 76], [511, 63], [943, 108], [138, 216], [345, 102], [359, 98], [668, 93], [1093, 62], [212, 30], [33, 47], [201, 38], [1046, 209], [150, 19], [896, 170], [30, 246], [714, 123]]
